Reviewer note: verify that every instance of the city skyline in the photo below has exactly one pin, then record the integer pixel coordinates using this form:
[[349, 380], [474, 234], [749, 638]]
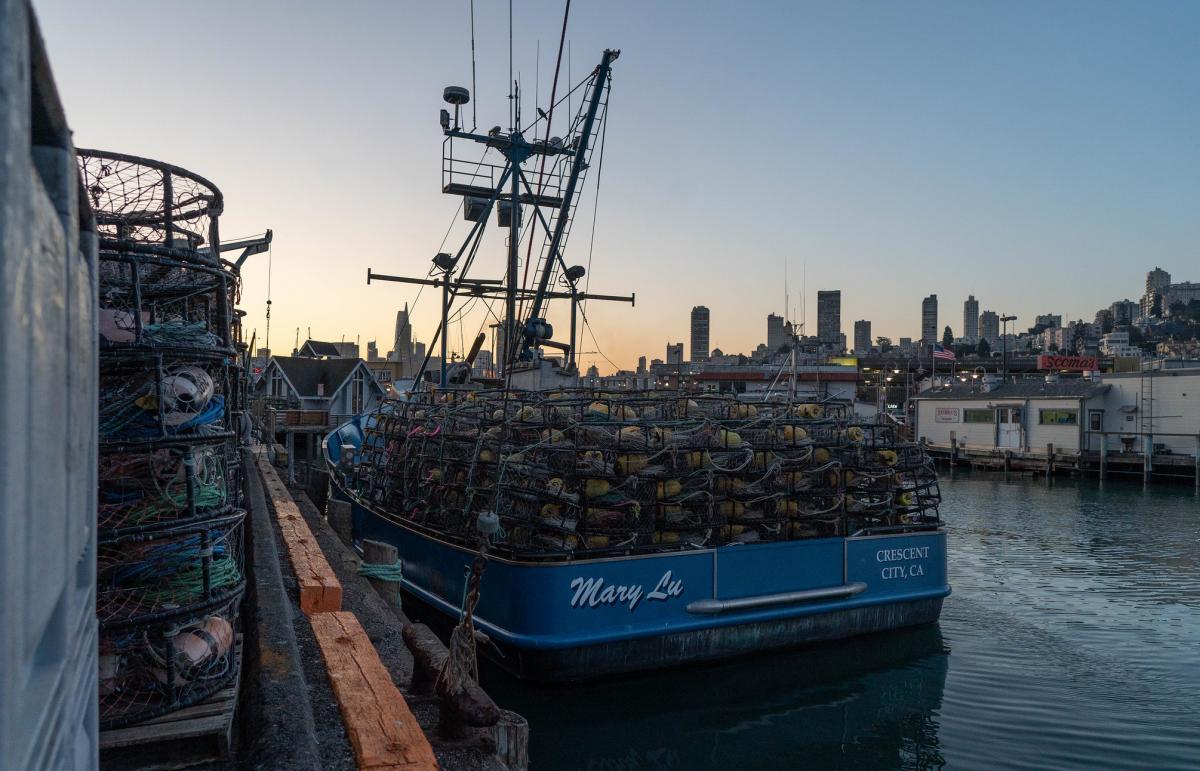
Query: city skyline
[[930, 161]]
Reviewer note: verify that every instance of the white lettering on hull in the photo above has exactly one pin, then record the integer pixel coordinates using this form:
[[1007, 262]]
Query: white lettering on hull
[[593, 592], [909, 555]]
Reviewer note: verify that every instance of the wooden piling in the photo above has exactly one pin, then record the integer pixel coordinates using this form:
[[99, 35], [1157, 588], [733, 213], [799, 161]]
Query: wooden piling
[[512, 741], [1050, 460], [379, 553], [1007, 462], [1103, 457], [339, 515], [953, 449]]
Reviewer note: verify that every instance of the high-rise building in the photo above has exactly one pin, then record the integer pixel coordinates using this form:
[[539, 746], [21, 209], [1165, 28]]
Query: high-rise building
[[483, 365], [829, 315], [970, 329], [929, 320], [1123, 312], [1048, 320], [778, 334], [989, 326], [641, 370], [699, 334], [1156, 281], [402, 348], [862, 336], [372, 351], [674, 353]]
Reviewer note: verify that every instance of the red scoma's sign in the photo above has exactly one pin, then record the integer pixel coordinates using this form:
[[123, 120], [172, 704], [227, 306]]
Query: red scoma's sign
[[1082, 363]]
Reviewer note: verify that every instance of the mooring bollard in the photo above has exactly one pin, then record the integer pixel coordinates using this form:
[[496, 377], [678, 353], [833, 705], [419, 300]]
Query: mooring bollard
[[339, 515], [378, 556]]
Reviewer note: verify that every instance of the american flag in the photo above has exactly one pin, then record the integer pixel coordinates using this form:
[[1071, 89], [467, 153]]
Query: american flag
[[943, 353]]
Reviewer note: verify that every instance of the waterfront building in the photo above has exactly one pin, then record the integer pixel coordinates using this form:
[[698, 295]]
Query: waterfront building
[[862, 336], [318, 349], [700, 329], [1074, 415], [970, 329], [930, 333], [829, 316]]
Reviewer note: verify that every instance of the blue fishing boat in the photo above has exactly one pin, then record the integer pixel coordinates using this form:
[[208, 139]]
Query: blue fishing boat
[[578, 617], [618, 532]]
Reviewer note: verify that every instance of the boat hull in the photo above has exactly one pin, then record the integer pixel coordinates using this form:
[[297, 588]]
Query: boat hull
[[589, 618]]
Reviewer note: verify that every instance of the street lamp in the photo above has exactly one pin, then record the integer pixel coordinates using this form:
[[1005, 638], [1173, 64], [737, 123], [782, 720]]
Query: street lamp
[[1004, 347]]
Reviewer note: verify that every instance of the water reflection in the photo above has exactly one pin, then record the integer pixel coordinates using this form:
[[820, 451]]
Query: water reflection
[[871, 702]]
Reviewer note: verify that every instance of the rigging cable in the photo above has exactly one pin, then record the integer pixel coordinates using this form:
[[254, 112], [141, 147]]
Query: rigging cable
[[269, 256], [542, 164], [596, 202]]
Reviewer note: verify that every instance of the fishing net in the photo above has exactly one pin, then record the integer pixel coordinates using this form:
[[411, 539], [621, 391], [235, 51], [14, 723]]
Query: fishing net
[[587, 473]]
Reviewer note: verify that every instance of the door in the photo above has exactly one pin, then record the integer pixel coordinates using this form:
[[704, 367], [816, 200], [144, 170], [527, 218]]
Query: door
[[1096, 436], [1008, 432]]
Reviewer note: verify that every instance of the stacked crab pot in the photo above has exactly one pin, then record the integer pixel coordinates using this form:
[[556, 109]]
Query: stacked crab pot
[[170, 558], [583, 473]]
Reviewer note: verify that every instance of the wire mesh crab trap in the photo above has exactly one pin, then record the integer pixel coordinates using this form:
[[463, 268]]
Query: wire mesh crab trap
[[151, 206], [584, 473], [165, 484], [149, 670], [149, 576], [161, 394], [151, 300]]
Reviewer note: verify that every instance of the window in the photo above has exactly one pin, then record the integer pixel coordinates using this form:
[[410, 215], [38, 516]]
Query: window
[[277, 384], [978, 416], [1096, 420], [1058, 417], [357, 391]]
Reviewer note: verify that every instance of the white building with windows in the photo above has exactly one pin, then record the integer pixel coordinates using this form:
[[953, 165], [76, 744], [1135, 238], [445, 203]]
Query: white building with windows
[[1126, 412]]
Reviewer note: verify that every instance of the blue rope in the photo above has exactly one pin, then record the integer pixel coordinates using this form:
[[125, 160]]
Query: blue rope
[[380, 571]]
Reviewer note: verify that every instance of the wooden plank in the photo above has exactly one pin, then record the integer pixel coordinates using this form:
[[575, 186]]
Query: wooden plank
[[380, 725], [145, 733], [320, 590]]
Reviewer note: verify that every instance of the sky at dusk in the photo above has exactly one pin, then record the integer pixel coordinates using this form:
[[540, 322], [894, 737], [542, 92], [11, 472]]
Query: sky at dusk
[[1042, 156]]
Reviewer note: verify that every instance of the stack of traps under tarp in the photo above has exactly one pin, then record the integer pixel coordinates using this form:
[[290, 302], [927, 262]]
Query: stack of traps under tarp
[[578, 473]]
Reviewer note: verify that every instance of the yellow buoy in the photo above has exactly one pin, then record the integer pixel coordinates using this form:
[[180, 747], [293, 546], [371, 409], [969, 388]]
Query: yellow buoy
[[594, 488]]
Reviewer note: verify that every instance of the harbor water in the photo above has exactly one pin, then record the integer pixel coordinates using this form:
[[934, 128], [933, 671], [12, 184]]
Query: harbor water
[[1072, 639]]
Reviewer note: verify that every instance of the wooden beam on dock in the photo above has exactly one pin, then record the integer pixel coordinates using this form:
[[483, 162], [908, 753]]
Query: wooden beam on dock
[[320, 590], [378, 722]]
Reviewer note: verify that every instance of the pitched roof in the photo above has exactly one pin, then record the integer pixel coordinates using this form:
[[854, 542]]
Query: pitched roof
[[319, 348], [306, 374], [1022, 389]]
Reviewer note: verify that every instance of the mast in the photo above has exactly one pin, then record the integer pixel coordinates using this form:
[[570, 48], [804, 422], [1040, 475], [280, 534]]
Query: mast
[[578, 165]]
